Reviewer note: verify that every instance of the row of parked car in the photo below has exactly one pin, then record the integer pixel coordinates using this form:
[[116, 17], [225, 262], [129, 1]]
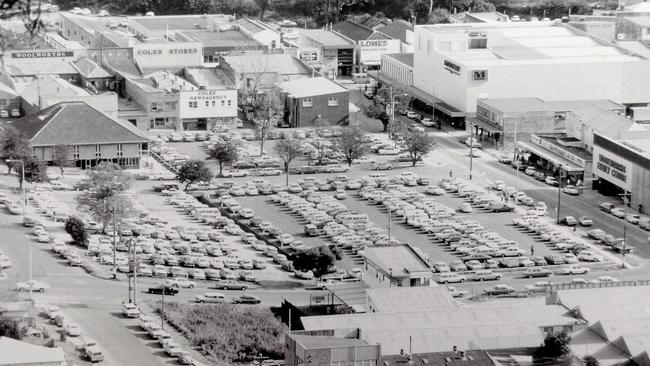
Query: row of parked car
[[170, 347], [622, 213], [88, 347]]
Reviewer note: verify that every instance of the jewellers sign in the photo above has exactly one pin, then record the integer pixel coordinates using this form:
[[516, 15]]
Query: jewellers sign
[[42, 54], [370, 50], [452, 67], [612, 168]]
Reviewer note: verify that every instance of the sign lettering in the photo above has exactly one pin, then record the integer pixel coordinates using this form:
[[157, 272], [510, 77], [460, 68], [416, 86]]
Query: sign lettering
[[378, 43], [172, 51], [452, 67], [612, 168], [42, 54]]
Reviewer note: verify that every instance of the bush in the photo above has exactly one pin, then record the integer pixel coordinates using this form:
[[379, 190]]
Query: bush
[[227, 334], [11, 328], [77, 229], [317, 260]]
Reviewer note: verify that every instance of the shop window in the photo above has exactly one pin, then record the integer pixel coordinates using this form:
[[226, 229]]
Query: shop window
[[154, 107], [193, 104], [229, 102], [223, 103], [214, 104], [307, 102], [332, 101]]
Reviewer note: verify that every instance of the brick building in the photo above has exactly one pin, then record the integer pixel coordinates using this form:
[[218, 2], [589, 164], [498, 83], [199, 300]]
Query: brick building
[[315, 102]]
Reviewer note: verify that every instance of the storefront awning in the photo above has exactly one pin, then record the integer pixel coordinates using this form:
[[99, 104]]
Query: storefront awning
[[548, 155], [482, 124], [371, 63]]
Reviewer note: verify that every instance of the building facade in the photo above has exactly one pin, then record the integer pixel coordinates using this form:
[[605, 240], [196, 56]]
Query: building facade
[[313, 102], [329, 348]]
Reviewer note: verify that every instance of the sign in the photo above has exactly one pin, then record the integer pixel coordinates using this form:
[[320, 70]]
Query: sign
[[171, 51], [208, 103], [452, 67], [612, 168], [208, 95], [308, 55], [42, 54], [370, 50], [168, 54]]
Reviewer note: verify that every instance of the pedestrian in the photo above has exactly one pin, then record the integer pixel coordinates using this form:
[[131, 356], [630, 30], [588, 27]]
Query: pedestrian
[[451, 173], [532, 250], [574, 228]]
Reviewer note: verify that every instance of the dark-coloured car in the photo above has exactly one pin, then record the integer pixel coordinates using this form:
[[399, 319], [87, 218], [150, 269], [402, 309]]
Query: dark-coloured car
[[169, 290], [163, 187], [499, 290], [230, 285], [243, 165], [555, 259], [246, 299]]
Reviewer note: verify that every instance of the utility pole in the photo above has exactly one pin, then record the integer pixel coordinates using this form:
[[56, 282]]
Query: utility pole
[[559, 195], [516, 156], [162, 309], [114, 242], [471, 147], [625, 200], [31, 287], [389, 225]]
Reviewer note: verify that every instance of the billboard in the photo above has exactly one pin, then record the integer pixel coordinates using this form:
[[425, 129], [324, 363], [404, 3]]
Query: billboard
[[309, 55], [208, 103], [612, 168], [370, 50]]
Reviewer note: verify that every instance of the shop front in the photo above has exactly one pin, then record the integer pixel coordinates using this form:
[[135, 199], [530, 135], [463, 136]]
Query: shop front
[[205, 109], [554, 163]]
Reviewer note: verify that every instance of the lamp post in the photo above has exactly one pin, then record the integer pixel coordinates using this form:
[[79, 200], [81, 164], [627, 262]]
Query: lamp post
[[625, 196], [516, 156], [22, 184], [559, 192], [471, 147], [389, 225]]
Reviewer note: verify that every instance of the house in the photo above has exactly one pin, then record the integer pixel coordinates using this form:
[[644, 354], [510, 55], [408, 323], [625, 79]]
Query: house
[[398, 265], [260, 71], [93, 136], [94, 76], [315, 102], [19, 353]]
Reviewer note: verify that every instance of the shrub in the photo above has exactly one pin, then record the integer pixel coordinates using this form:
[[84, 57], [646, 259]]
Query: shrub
[[77, 230]]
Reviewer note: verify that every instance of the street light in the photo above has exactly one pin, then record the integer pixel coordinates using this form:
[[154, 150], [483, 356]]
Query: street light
[[471, 147], [22, 174], [559, 193]]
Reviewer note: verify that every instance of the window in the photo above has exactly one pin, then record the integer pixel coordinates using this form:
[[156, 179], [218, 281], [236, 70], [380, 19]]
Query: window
[[223, 103], [98, 151], [307, 102], [154, 107], [193, 104], [214, 104], [207, 103], [75, 152], [428, 46], [119, 150], [170, 105], [229, 102], [3, 103], [332, 101]]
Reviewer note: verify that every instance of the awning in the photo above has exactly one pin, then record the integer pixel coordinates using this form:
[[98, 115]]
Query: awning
[[371, 63], [435, 102], [549, 155], [482, 124]]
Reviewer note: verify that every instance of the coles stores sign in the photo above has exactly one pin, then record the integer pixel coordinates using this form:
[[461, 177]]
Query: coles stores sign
[[371, 50]]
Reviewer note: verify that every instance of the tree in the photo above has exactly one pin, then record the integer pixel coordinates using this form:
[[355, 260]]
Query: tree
[[14, 146], [35, 170], [322, 147], [11, 328], [378, 111], [417, 145], [193, 171], [261, 131], [263, 5], [555, 347], [287, 150], [318, 260], [480, 6], [439, 16], [351, 144], [224, 152], [590, 360], [61, 156], [103, 196], [76, 228]]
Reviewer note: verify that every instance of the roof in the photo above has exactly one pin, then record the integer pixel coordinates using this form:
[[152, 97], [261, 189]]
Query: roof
[[166, 81], [210, 78], [14, 352], [534, 104], [641, 7], [76, 123], [374, 22], [224, 40], [307, 87], [604, 120], [48, 86], [353, 30], [7, 91], [397, 29], [326, 38], [181, 22], [283, 64], [90, 69], [471, 358], [42, 68], [628, 295], [401, 259], [121, 61], [405, 299], [312, 341], [643, 21], [405, 58], [251, 25]]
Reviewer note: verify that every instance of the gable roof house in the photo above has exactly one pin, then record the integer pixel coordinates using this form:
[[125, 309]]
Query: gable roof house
[[92, 135]]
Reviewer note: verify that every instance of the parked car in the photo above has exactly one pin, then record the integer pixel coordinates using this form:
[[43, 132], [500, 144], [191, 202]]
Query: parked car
[[486, 275], [537, 272], [569, 221], [159, 290], [246, 299], [230, 285], [499, 290], [571, 189], [211, 297], [574, 269], [585, 221], [32, 285]]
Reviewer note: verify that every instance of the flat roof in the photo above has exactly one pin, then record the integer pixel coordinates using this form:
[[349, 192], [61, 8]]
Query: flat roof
[[227, 39], [579, 152], [603, 296], [314, 341], [400, 258], [181, 22], [526, 42], [210, 78], [405, 58], [643, 21], [417, 298], [326, 38], [41, 68], [283, 64], [534, 104], [307, 87]]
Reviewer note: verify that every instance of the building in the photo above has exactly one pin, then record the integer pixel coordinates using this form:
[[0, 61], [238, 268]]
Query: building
[[262, 72], [409, 299], [398, 265], [19, 353], [402, 30], [93, 76], [515, 324], [40, 92], [318, 101], [172, 102], [455, 65], [622, 166], [93, 136], [370, 44], [328, 52], [329, 348], [9, 98], [453, 358], [396, 70], [481, 17], [260, 32]]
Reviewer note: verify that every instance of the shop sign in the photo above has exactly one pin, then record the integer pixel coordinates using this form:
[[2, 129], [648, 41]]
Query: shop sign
[[452, 67], [171, 51], [42, 54], [308, 55], [208, 95], [612, 168], [371, 49]]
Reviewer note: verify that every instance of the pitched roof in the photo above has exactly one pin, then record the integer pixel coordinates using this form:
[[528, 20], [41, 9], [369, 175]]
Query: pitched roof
[[315, 341], [76, 123], [417, 298], [7, 91], [397, 29], [13, 352], [90, 69], [604, 120], [374, 22], [471, 358], [282, 64], [326, 38], [307, 87], [353, 30], [48, 86]]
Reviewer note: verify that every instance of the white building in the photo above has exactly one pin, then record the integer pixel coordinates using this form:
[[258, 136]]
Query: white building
[[457, 64]]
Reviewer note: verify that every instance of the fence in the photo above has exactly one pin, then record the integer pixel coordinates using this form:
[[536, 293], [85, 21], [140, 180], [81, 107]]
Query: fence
[[578, 286]]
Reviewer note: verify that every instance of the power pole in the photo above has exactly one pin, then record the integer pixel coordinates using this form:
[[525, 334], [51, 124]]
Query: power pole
[[471, 147], [559, 195], [625, 200]]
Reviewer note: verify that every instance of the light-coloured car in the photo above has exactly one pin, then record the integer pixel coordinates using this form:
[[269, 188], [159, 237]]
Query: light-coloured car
[[72, 329], [451, 277], [34, 285], [574, 269], [211, 297]]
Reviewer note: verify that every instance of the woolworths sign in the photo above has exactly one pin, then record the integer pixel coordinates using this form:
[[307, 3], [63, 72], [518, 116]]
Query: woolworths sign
[[370, 50]]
